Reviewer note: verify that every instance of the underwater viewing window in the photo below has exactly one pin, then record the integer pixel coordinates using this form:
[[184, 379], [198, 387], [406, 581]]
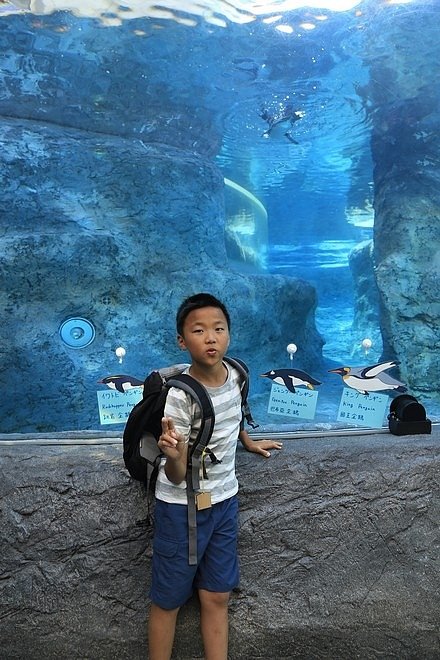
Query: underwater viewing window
[[282, 156], [246, 228]]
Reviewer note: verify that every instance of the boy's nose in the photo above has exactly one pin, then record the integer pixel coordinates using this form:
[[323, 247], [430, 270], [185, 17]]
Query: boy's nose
[[210, 338]]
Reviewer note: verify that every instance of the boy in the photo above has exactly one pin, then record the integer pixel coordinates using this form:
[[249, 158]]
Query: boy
[[203, 330]]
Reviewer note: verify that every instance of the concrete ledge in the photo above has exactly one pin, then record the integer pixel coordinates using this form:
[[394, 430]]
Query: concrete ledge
[[339, 548]]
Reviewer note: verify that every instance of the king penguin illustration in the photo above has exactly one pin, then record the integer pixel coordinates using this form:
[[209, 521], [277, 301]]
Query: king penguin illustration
[[291, 378], [370, 379], [121, 383]]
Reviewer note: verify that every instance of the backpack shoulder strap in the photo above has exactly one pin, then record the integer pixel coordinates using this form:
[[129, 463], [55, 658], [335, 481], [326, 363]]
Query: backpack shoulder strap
[[173, 370], [244, 372], [238, 364], [200, 395]]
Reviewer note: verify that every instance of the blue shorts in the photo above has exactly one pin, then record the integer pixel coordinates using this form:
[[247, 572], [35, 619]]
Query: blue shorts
[[173, 579]]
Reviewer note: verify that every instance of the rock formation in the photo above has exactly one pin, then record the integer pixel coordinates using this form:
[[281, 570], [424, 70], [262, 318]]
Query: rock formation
[[405, 148], [338, 546], [366, 324], [117, 232]]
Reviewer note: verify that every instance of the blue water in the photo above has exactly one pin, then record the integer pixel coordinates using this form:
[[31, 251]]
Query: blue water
[[202, 79]]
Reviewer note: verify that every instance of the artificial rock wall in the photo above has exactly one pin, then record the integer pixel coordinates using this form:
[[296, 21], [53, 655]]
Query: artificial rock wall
[[338, 545], [112, 210], [118, 232], [405, 150]]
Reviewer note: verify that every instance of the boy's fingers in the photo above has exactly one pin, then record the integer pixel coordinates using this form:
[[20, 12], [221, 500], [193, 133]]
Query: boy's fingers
[[166, 442], [167, 425], [168, 431], [272, 444]]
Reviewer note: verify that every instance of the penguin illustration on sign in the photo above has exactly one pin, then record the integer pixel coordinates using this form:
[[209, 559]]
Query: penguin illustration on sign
[[121, 383], [370, 379], [291, 378]]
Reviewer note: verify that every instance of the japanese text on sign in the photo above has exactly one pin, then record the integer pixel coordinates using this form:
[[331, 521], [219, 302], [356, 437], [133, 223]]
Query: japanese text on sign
[[299, 405], [115, 407], [362, 410]]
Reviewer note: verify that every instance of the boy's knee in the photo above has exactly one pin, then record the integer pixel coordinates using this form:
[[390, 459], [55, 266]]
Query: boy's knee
[[160, 613], [213, 598]]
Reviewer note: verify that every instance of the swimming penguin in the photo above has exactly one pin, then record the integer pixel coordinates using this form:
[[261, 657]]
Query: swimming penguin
[[370, 379], [291, 378], [121, 383], [281, 123]]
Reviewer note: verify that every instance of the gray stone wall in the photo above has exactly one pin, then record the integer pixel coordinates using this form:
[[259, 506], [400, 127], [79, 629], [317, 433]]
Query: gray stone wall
[[338, 544]]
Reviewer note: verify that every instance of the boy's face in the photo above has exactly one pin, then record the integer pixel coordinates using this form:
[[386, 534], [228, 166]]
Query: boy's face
[[205, 336]]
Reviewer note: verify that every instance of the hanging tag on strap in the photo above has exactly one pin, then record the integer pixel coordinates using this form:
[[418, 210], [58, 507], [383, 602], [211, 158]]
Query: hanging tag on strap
[[203, 500]]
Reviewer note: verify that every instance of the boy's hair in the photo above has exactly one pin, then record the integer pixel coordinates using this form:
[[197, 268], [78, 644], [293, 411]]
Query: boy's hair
[[198, 301]]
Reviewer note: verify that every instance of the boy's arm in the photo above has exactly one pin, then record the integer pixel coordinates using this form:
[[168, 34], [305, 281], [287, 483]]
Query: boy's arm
[[175, 448], [258, 446], [176, 429]]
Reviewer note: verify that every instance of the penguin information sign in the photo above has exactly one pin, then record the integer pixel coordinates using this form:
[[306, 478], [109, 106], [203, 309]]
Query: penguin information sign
[[114, 407], [363, 409], [300, 404]]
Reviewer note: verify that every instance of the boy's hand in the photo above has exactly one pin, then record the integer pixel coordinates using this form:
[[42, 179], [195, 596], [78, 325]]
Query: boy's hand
[[258, 446], [170, 442], [261, 446]]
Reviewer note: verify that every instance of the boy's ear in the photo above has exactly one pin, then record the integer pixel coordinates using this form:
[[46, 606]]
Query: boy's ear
[[181, 342]]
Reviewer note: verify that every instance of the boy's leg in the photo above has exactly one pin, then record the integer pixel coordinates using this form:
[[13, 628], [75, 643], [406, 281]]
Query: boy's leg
[[218, 574], [161, 629], [214, 623], [172, 577]]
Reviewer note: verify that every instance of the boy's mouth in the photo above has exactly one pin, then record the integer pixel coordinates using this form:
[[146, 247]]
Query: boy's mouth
[[211, 351]]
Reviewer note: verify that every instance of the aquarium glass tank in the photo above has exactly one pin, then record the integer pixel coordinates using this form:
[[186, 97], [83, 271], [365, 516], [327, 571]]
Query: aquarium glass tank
[[283, 156]]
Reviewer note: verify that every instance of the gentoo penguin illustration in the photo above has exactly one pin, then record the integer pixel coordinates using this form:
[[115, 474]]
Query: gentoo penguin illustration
[[291, 378], [121, 383], [370, 379]]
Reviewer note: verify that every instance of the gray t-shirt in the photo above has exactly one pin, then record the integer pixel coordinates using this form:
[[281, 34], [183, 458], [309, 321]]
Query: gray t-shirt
[[180, 406]]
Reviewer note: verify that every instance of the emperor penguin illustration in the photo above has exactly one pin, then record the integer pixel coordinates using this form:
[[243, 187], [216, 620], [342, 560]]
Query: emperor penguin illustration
[[370, 379], [291, 378], [121, 383]]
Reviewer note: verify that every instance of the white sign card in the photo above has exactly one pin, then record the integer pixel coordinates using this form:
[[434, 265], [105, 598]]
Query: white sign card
[[362, 410], [115, 407], [298, 405]]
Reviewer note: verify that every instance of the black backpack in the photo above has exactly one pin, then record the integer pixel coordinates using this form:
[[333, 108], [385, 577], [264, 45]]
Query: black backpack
[[143, 428]]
